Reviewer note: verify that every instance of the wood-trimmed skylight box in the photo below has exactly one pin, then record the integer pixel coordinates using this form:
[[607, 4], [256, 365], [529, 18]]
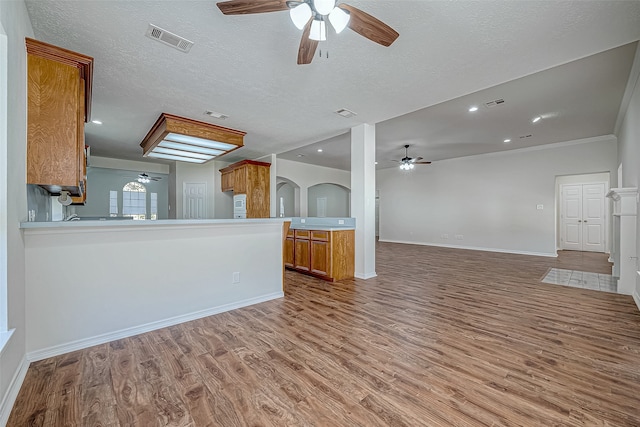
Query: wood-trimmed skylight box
[[185, 140]]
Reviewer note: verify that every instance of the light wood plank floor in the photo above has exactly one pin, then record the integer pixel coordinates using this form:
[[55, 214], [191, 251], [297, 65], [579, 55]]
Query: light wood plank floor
[[442, 337]]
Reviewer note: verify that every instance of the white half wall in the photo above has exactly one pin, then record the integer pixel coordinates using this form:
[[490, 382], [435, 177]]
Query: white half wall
[[487, 202], [87, 284], [306, 175]]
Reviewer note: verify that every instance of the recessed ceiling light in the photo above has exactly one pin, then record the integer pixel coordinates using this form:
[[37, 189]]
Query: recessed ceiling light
[[319, 150], [345, 113], [216, 115], [376, 163], [96, 122], [473, 109], [506, 141], [536, 119]]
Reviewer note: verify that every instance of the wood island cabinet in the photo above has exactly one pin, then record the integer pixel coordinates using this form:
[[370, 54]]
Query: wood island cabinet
[[328, 255], [59, 103], [253, 179], [289, 243]]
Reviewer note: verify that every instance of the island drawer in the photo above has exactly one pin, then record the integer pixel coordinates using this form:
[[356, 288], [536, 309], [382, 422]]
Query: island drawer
[[319, 235], [302, 234]]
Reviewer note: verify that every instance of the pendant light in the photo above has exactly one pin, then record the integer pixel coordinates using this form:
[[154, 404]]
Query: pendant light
[[318, 30], [300, 15], [339, 19], [324, 7]]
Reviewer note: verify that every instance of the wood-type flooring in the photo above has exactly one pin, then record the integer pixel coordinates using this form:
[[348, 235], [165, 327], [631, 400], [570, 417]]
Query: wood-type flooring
[[442, 337]]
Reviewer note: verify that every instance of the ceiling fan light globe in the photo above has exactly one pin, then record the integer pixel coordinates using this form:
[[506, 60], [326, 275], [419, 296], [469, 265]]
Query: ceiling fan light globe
[[339, 19], [324, 7], [300, 15], [318, 30], [411, 165]]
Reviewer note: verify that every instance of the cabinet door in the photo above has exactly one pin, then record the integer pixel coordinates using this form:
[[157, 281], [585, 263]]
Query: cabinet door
[[53, 123], [301, 255], [289, 244], [227, 181], [320, 258], [240, 180]]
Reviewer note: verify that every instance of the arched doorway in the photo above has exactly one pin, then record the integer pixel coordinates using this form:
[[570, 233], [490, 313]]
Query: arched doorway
[[329, 200]]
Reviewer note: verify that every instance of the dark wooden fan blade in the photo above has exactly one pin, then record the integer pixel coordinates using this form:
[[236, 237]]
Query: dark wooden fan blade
[[242, 7], [422, 163], [370, 27], [307, 46]]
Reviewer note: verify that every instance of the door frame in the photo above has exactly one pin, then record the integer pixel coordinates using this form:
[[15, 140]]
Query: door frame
[[582, 179]]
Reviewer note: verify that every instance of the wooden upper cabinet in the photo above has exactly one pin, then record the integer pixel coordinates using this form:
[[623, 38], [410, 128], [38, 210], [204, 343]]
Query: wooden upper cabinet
[[59, 103], [227, 179], [253, 179]]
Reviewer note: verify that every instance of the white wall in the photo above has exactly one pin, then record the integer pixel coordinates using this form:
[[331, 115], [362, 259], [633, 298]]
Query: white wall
[[490, 200], [223, 202], [15, 23], [338, 200], [92, 284], [305, 176], [629, 150]]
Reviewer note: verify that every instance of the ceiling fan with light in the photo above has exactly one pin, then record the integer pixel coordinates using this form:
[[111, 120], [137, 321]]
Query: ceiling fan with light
[[145, 179], [407, 163], [311, 16]]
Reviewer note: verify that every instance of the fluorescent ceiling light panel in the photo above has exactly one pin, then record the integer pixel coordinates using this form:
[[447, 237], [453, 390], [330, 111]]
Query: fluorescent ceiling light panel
[[186, 140], [182, 153], [176, 158], [192, 148]]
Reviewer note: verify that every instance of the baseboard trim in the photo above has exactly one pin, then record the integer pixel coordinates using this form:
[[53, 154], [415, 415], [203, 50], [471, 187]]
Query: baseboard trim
[[636, 298], [12, 391], [365, 276], [475, 248], [128, 332]]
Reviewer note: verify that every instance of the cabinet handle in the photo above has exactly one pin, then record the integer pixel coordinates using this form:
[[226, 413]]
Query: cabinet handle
[[585, 220], [579, 220]]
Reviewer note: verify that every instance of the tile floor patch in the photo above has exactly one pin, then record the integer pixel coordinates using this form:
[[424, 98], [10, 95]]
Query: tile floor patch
[[581, 279]]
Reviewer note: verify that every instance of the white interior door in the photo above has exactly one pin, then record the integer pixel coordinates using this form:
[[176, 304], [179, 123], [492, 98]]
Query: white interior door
[[194, 200], [593, 216], [582, 217], [571, 217]]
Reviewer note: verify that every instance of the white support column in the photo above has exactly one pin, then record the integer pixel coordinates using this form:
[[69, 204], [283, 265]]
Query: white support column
[[363, 197], [625, 208]]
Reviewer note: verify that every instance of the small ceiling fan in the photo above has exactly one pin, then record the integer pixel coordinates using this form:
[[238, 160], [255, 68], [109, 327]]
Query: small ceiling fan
[[311, 16], [407, 163], [145, 179]]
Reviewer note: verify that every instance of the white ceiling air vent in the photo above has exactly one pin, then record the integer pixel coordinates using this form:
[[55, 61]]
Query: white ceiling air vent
[[494, 103], [525, 136], [216, 115], [345, 113], [168, 38]]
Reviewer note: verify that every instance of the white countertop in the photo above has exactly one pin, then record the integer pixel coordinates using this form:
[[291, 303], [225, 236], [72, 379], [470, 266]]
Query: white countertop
[[148, 223], [322, 228]]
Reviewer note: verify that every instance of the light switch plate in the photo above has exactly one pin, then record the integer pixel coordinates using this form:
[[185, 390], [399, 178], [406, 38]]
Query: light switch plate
[[539, 207]]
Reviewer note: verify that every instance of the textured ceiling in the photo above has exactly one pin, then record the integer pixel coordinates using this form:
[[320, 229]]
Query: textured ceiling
[[245, 66]]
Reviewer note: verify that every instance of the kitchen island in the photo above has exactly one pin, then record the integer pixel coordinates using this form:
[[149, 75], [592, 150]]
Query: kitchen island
[[90, 282], [321, 247]]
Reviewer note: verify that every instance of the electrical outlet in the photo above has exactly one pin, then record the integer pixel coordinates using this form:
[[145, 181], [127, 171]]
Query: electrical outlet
[[236, 277], [539, 207], [341, 221], [444, 236], [459, 237], [303, 220]]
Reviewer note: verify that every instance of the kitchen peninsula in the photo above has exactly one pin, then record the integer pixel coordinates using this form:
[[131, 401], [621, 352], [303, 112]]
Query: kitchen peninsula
[[321, 247], [90, 282]]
